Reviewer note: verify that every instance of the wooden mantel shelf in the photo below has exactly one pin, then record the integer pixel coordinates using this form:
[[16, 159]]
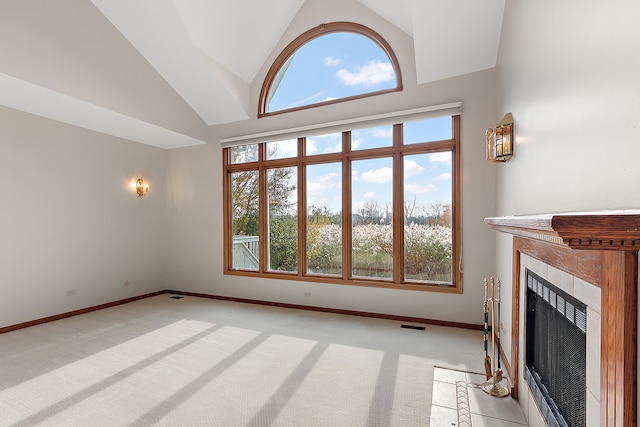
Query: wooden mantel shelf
[[601, 248], [603, 230]]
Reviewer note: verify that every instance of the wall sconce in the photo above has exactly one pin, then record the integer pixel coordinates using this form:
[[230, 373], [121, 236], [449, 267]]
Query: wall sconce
[[500, 140], [141, 187]]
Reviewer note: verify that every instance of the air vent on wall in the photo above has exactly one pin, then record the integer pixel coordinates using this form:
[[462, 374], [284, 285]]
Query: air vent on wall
[[419, 328]]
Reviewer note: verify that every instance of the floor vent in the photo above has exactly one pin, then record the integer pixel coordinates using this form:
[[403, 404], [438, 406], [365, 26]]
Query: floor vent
[[419, 328], [175, 297]]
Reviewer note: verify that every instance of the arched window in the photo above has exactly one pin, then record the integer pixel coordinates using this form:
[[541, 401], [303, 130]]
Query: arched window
[[331, 63]]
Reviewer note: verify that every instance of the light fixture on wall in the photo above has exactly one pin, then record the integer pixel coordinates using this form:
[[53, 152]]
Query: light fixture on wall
[[500, 141], [141, 187]]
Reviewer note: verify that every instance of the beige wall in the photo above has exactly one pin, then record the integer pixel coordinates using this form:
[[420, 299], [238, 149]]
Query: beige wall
[[195, 188], [570, 74], [70, 219]]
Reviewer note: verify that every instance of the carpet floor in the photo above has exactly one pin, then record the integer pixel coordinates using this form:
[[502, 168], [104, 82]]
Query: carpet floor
[[193, 361]]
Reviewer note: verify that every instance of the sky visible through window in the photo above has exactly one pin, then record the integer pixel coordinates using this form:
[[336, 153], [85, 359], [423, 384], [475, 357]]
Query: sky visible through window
[[427, 177], [336, 65], [343, 64]]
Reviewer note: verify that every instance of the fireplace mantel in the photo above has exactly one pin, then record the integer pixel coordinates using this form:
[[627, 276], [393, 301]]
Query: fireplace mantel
[[601, 248], [606, 230]]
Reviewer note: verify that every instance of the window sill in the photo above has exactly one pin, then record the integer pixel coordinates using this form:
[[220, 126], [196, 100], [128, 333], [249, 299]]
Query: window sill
[[410, 286]]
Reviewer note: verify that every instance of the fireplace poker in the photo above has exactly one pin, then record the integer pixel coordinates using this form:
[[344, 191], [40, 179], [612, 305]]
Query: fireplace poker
[[494, 377], [487, 358], [497, 302], [493, 322]]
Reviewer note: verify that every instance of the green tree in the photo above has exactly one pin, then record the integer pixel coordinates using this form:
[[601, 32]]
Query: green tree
[[283, 247], [244, 201], [371, 212], [244, 154], [324, 240], [438, 213], [283, 220], [319, 215]]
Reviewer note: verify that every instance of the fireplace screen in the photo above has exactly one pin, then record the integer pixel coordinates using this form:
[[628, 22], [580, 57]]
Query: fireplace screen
[[556, 327]]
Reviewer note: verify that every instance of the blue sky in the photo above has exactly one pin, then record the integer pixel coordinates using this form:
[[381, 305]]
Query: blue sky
[[333, 66], [427, 177], [338, 65]]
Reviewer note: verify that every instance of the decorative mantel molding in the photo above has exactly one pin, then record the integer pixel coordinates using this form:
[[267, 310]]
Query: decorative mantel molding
[[606, 230], [602, 248]]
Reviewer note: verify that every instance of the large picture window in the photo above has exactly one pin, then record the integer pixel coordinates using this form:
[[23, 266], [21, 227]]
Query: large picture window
[[374, 206]]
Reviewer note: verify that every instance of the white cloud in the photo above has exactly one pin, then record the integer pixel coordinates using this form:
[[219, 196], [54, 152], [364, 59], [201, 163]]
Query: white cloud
[[412, 168], [327, 178], [443, 177], [310, 146], [384, 132], [282, 149], [329, 143], [316, 97], [370, 74], [330, 61], [419, 188], [443, 157], [369, 195], [314, 188], [378, 176], [322, 182]]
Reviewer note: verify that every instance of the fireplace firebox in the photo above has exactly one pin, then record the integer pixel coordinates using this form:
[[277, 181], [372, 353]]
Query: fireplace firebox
[[599, 252], [556, 328]]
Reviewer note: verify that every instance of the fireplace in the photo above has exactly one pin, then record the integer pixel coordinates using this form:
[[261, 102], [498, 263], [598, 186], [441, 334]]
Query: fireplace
[[555, 352], [592, 257]]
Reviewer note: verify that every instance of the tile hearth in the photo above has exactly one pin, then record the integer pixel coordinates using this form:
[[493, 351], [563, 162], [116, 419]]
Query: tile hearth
[[458, 401]]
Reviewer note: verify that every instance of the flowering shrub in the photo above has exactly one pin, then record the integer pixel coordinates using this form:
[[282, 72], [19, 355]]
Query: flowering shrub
[[373, 250], [427, 251], [324, 248]]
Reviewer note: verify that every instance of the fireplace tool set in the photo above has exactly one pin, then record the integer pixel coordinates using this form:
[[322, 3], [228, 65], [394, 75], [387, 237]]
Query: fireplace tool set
[[492, 362]]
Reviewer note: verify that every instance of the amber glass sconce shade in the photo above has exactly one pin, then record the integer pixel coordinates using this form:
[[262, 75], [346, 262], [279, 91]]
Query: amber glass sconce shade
[[141, 187], [500, 140]]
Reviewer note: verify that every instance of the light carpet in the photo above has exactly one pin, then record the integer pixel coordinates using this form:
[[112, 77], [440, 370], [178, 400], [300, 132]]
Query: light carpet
[[203, 362]]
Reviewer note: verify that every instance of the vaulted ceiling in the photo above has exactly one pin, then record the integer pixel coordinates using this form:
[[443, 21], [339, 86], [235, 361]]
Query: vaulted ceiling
[[63, 59]]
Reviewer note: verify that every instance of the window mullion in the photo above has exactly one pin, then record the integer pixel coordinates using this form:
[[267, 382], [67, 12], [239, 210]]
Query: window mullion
[[398, 208], [263, 225], [347, 217], [302, 218], [455, 208], [226, 209], [302, 209]]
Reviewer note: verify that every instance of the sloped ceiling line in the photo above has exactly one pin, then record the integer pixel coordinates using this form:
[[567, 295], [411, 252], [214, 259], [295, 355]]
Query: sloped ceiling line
[[203, 50]]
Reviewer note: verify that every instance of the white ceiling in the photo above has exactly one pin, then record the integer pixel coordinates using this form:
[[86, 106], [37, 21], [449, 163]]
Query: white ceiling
[[209, 52]]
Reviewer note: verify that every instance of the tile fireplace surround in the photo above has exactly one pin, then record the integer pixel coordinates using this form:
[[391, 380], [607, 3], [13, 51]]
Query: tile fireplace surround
[[599, 249]]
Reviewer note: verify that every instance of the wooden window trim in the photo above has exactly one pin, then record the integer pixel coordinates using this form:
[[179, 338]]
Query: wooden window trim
[[304, 38], [396, 152]]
